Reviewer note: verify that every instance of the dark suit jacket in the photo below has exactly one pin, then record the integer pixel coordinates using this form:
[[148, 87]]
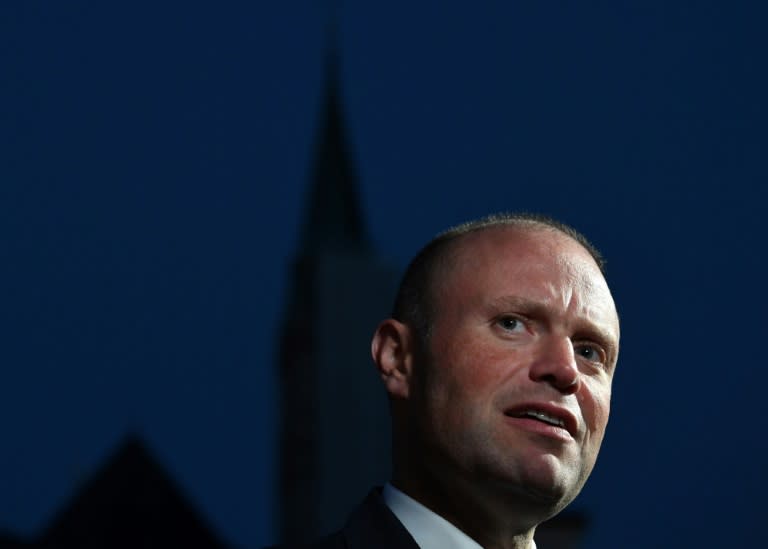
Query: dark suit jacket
[[371, 526]]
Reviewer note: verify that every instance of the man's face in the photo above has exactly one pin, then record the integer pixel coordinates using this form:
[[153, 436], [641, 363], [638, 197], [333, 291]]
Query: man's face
[[515, 392]]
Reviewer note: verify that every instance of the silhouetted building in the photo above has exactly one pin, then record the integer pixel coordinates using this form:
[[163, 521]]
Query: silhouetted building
[[335, 421], [130, 503]]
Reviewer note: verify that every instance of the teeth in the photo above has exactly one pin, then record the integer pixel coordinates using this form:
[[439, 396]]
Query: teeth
[[545, 418]]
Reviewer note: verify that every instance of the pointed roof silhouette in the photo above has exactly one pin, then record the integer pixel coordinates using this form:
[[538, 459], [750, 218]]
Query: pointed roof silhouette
[[130, 502], [333, 220]]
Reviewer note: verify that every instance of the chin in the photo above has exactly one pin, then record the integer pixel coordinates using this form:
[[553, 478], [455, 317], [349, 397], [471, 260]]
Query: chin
[[547, 485]]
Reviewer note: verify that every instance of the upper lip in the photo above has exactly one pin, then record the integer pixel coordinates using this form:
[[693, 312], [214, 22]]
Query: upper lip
[[568, 419]]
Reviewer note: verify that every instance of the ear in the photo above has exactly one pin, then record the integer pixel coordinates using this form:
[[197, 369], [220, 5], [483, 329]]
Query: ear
[[392, 350]]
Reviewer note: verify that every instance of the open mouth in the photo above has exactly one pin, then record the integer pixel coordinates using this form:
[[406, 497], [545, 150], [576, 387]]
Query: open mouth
[[547, 414], [539, 416]]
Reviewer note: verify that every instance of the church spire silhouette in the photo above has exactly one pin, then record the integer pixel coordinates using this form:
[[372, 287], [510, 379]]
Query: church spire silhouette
[[333, 220], [334, 435]]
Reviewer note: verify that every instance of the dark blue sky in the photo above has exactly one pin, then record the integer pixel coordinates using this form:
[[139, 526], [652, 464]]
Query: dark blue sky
[[154, 159]]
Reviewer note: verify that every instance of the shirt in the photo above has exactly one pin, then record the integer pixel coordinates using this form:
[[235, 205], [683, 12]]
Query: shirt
[[430, 530]]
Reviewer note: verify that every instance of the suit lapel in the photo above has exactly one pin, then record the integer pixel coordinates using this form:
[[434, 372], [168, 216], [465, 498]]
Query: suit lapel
[[373, 526]]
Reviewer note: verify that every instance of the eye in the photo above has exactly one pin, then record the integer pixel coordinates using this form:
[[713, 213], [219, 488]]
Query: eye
[[592, 353], [511, 324]]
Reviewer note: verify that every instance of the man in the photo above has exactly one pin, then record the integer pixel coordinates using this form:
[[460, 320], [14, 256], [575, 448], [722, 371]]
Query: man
[[498, 363]]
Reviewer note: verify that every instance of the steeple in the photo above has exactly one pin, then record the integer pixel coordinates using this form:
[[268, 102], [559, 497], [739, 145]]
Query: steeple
[[334, 435], [333, 220]]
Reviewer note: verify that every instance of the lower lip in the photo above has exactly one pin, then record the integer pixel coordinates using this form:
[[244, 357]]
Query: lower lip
[[540, 428]]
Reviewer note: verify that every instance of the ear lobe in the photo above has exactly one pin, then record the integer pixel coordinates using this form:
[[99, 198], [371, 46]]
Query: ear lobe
[[392, 351]]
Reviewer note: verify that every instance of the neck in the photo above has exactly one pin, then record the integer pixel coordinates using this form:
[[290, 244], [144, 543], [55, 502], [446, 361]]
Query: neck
[[492, 523]]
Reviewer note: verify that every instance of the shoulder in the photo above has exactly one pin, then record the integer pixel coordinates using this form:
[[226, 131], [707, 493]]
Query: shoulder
[[370, 526]]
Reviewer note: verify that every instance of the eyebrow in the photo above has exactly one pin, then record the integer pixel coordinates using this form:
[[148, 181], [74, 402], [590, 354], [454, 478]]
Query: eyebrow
[[522, 304]]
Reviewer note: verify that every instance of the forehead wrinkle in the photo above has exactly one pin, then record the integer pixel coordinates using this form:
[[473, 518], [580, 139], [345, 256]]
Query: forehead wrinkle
[[590, 285], [583, 315], [533, 307]]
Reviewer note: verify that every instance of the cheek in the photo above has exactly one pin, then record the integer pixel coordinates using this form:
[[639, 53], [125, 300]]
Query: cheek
[[473, 373], [467, 370], [461, 389], [595, 403]]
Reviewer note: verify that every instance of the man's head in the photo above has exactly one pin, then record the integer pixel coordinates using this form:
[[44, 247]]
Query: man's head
[[499, 370]]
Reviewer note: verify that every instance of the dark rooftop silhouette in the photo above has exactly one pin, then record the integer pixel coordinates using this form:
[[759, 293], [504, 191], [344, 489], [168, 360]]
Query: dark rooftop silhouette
[[130, 502]]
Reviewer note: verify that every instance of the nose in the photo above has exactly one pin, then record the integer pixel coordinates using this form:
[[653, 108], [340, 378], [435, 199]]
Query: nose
[[555, 364]]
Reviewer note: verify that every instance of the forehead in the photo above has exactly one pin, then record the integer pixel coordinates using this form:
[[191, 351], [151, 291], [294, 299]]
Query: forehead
[[520, 247], [539, 264]]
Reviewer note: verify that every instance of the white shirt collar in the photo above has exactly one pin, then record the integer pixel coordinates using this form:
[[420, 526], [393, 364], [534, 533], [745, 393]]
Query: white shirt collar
[[430, 530]]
